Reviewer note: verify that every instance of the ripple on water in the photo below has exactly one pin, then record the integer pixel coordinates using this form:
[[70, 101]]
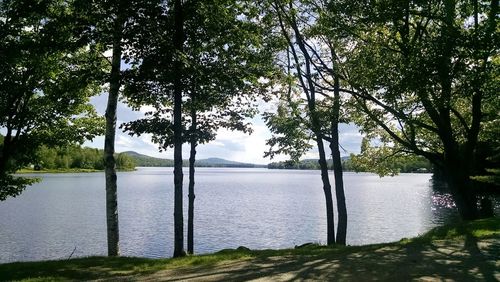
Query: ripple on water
[[257, 208]]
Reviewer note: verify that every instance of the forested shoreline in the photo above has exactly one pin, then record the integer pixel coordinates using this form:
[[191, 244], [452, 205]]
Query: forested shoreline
[[406, 165], [76, 157]]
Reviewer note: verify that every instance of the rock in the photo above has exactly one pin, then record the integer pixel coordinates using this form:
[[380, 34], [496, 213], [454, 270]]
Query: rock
[[303, 245]]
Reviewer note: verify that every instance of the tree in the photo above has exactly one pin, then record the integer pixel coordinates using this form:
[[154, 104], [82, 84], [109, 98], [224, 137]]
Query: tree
[[156, 79], [302, 119], [217, 50], [423, 74], [112, 25], [223, 57], [45, 84], [113, 234], [124, 162]]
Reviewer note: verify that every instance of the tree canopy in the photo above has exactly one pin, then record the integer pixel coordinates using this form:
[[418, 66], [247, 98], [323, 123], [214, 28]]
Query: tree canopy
[[46, 79], [423, 76]]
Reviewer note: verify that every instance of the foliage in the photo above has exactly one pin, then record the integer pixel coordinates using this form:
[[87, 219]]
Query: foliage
[[488, 151], [412, 94], [291, 135], [302, 164], [199, 72], [12, 186], [306, 106], [492, 177], [424, 78], [124, 162], [223, 58], [76, 157], [364, 163], [46, 78], [384, 160]]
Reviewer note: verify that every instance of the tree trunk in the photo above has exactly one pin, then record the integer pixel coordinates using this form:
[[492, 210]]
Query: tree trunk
[[109, 144], [327, 189], [464, 197], [6, 152], [461, 189], [458, 161], [457, 167], [337, 169], [192, 159], [178, 41]]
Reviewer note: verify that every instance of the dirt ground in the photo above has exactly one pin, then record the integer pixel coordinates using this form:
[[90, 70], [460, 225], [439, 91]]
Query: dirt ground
[[465, 259]]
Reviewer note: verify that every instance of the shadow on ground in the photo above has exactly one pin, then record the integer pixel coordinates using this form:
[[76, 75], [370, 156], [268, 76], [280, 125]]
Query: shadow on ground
[[449, 253], [459, 260]]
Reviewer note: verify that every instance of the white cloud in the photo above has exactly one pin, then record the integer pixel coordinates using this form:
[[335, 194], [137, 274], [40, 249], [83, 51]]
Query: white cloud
[[145, 109], [239, 146], [124, 142], [231, 145], [217, 143]]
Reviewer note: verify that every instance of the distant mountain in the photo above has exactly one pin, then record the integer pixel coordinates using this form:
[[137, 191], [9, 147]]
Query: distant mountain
[[135, 154], [218, 162], [148, 161], [144, 160]]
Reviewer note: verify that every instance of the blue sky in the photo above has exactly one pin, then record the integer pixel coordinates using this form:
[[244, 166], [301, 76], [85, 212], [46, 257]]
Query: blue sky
[[229, 145]]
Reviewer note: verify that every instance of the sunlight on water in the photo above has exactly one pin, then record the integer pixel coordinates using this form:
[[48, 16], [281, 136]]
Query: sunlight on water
[[442, 201]]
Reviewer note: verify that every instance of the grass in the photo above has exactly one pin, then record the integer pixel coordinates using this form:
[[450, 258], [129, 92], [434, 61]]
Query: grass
[[466, 251], [104, 267], [479, 229]]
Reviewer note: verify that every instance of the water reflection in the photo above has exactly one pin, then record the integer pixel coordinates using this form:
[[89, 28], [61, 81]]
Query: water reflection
[[442, 203], [444, 206]]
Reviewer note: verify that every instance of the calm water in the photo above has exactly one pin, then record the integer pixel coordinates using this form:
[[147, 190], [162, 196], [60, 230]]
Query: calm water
[[257, 208]]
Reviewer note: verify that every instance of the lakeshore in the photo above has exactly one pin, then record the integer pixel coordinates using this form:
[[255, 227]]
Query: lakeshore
[[466, 251]]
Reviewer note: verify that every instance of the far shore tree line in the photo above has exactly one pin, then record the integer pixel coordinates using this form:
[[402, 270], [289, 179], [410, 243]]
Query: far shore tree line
[[420, 79], [407, 164], [76, 157]]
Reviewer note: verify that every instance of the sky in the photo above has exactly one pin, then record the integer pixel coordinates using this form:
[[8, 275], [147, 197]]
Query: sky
[[230, 145]]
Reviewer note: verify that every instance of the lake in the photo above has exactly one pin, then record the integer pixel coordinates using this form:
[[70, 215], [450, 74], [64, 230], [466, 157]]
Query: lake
[[256, 208]]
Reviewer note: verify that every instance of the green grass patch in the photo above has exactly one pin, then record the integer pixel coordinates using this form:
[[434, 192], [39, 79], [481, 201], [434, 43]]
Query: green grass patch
[[479, 229]]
